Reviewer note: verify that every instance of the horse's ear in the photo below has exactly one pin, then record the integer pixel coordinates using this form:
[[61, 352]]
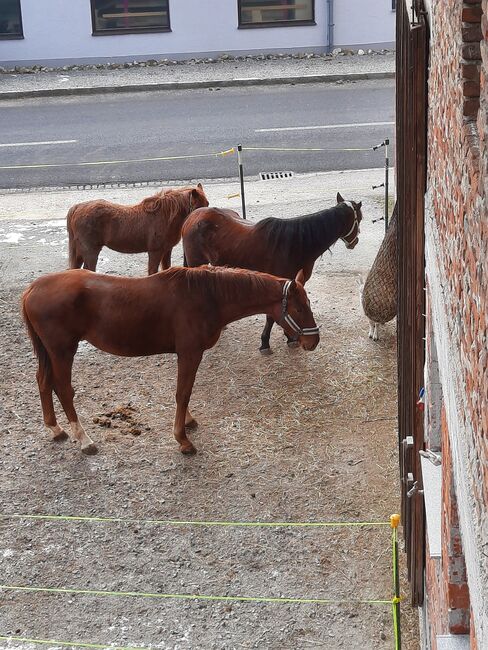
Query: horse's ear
[[293, 286], [339, 198], [359, 205], [152, 204], [200, 186]]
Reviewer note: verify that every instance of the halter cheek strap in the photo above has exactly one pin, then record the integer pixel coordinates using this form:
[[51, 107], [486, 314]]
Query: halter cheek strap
[[355, 225], [305, 331]]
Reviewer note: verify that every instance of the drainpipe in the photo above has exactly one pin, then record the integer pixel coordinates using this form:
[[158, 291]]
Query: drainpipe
[[330, 25]]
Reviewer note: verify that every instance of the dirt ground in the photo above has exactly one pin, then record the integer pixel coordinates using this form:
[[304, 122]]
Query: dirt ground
[[291, 437]]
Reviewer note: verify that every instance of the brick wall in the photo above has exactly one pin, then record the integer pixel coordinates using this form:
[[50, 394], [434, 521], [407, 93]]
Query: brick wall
[[458, 187]]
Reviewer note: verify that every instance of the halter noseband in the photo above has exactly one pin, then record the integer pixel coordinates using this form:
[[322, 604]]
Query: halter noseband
[[355, 225], [285, 316]]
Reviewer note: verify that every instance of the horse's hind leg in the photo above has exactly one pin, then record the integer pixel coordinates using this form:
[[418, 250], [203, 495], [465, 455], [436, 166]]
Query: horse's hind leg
[[64, 390], [187, 370], [265, 349], [46, 393], [90, 259]]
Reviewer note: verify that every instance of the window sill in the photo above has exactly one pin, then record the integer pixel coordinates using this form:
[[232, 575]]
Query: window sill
[[11, 37], [432, 483], [452, 642], [294, 23], [142, 30]]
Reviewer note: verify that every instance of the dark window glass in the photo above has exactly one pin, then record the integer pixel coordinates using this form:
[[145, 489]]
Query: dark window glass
[[393, 5], [10, 19], [130, 15], [275, 12]]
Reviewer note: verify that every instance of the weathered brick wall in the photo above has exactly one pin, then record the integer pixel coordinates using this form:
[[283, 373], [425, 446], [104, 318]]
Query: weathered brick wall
[[458, 187]]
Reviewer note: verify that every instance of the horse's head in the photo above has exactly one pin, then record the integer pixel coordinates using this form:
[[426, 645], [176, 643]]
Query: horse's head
[[296, 316], [351, 225], [198, 198]]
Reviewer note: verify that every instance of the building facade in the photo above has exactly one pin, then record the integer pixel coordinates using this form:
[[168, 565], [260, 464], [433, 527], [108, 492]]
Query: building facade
[[444, 447], [58, 32]]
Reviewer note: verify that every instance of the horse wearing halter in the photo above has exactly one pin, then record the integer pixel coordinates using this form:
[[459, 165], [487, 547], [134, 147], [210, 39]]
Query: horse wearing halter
[[355, 226], [285, 316]]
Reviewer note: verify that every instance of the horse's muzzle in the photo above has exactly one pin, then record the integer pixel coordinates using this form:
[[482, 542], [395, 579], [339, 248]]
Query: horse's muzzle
[[309, 343]]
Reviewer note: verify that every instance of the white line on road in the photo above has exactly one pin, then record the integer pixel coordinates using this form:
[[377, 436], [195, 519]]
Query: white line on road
[[325, 126], [36, 144]]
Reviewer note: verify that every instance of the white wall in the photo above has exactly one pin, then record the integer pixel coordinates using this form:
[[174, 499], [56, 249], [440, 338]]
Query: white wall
[[363, 22], [61, 31]]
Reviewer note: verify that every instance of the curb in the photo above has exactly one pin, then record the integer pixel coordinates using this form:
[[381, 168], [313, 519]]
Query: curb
[[187, 85]]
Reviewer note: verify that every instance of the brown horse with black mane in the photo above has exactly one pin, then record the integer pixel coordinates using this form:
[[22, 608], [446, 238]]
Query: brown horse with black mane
[[284, 247], [179, 310], [152, 226]]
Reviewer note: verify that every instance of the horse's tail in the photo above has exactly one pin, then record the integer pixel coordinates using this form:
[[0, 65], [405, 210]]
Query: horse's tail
[[75, 260], [44, 373]]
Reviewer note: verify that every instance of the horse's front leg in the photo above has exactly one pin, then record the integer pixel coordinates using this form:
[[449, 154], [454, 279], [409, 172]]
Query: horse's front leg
[[187, 369], [153, 261], [265, 349], [166, 260]]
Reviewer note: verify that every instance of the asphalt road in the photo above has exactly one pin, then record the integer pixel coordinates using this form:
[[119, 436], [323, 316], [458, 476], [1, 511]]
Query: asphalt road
[[63, 131]]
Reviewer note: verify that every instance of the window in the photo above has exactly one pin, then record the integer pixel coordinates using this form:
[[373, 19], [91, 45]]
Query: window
[[275, 13], [126, 16], [10, 19], [393, 5]]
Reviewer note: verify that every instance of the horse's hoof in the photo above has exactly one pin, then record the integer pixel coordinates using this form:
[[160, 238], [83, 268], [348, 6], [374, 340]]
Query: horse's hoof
[[266, 351], [192, 424], [188, 450], [90, 449], [59, 437], [293, 344]]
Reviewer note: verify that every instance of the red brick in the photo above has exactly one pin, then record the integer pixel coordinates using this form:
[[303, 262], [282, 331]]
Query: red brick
[[471, 13]]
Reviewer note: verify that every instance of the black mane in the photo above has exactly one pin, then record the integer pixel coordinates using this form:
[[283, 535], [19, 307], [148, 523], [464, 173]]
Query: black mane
[[308, 235]]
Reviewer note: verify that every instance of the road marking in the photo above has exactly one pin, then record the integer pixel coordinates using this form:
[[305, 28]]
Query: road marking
[[324, 126], [36, 144]]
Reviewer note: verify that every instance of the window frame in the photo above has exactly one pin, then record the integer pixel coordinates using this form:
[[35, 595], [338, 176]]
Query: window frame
[[129, 30], [291, 23], [18, 36]]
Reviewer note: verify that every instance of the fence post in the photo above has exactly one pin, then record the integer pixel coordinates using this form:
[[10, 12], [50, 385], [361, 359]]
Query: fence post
[[387, 171], [241, 178], [394, 521]]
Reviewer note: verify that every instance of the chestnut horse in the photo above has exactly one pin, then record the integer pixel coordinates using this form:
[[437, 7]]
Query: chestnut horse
[[153, 226], [284, 247], [179, 310]]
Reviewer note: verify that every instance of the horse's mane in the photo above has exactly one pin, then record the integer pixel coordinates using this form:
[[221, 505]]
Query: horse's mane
[[308, 234], [223, 283], [173, 201]]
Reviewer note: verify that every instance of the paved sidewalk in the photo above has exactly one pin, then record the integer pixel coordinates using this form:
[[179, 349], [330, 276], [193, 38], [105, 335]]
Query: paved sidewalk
[[222, 73]]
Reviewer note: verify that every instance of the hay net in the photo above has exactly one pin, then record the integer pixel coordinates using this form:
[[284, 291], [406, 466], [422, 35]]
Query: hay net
[[379, 294]]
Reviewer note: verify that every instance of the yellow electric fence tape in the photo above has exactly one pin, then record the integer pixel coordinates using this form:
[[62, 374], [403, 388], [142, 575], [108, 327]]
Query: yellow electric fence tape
[[244, 599], [394, 602], [74, 644], [173, 522], [305, 149], [226, 152], [119, 162]]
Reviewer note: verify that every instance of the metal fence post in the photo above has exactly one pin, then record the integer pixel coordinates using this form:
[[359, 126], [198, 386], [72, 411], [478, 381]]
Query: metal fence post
[[241, 178], [387, 171]]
